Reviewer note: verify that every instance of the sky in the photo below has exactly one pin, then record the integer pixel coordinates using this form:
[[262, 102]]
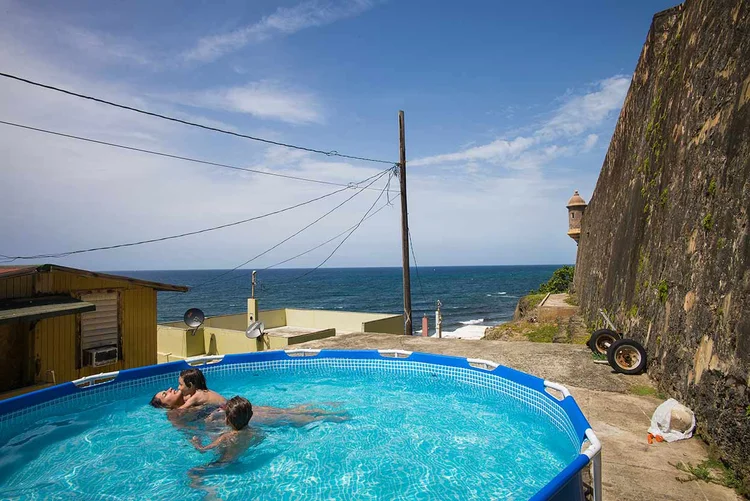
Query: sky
[[509, 107]]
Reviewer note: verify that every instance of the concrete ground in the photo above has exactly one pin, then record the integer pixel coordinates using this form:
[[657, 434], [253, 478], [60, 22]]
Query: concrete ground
[[632, 470]]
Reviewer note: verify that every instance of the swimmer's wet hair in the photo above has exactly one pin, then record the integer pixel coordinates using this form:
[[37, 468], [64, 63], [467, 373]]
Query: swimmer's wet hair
[[155, 402], [239, 411], [194, 378]]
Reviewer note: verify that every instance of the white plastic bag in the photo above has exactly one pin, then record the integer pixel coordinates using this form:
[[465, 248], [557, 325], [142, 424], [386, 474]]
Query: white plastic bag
[[673, 421]]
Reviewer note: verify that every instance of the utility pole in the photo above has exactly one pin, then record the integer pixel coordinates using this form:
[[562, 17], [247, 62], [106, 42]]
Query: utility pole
[[404, 225]]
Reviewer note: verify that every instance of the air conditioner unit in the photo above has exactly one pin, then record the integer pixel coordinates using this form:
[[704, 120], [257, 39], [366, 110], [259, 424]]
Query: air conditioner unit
[[96, 357]]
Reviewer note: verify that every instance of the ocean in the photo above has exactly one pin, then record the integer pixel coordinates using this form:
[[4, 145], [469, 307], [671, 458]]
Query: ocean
[[470, 295]]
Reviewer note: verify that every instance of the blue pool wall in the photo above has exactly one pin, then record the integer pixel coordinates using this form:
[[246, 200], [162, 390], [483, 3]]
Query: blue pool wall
[[566, 486]]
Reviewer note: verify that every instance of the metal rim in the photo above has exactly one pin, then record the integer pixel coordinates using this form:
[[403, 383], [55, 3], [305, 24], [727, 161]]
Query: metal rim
[[603, 342], [627, 357]]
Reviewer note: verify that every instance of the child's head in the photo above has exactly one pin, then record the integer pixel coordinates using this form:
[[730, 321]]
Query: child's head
[[239, 411], [191, 380]]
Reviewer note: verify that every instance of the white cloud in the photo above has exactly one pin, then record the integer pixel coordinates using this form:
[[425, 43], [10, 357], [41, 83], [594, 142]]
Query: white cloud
[[590, 142], [580, 113], [551, 139], [496, 151], [108, 49], [264, 99], [285, 21]]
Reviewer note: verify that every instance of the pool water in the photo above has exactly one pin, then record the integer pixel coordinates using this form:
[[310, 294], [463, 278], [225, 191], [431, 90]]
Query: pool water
[[410, 436]]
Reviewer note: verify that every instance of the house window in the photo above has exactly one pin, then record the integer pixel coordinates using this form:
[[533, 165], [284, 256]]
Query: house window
[[101, 328]]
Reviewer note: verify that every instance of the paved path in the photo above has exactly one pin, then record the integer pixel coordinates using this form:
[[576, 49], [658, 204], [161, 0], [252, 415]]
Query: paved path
[[632, 469]]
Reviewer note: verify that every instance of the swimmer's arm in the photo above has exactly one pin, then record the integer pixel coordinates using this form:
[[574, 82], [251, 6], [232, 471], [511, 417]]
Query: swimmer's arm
[[191, 401], [203, 448]]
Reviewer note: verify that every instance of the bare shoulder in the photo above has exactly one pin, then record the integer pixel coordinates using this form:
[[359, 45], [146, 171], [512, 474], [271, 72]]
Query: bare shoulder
[[213, 397]]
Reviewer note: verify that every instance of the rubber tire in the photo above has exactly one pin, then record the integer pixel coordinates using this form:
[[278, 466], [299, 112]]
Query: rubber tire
[[634, 344], [595, 336]]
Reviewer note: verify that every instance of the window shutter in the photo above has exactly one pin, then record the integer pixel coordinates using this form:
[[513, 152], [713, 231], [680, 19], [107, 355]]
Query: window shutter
[[100, 328]]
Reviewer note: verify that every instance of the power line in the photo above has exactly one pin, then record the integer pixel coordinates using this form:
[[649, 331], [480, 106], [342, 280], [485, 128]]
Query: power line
[[214, 279], [332, 153], [347, 236], [324, 243], [190, 233], [173, 156], [302, 253]]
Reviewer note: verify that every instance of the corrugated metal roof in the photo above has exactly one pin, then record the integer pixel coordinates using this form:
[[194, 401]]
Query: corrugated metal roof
[[13, 271], [36, 308]]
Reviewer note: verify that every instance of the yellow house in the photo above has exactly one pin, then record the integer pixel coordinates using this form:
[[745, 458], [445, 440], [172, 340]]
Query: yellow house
[[58, 324]]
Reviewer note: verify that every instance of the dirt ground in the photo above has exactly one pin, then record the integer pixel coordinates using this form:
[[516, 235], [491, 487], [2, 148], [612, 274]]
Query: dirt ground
[[632, 470]]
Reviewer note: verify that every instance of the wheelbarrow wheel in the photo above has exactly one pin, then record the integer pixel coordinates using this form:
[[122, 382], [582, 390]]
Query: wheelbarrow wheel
[[627, 356], [601, 340]]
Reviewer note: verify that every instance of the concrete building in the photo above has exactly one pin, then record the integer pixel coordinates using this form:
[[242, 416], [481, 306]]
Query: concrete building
[[284, 328]]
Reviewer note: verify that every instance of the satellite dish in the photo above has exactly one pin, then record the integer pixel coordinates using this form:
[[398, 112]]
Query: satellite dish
[[193, 318], [255, 330]]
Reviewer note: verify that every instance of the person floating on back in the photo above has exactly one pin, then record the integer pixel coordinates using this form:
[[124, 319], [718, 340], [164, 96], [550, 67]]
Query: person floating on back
[[192, 391]]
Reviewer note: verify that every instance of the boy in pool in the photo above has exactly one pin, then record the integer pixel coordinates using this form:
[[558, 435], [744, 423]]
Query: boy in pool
[[233, 442], [230, 444], [192, 385]]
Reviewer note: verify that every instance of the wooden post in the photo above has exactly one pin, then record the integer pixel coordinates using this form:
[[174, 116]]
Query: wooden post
[[404, 226]]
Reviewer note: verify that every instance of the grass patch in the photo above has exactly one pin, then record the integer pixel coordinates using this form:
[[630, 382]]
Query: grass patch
[[572, 300], [542, 334], [711, 471], [533, 300], [598, 356], [643, 390]]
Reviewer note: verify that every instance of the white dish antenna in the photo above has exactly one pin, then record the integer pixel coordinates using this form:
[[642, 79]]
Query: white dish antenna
[[255, 330], [193, 318]]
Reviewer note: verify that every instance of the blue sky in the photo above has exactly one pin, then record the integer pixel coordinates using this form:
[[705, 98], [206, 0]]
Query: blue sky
[[509, 108]]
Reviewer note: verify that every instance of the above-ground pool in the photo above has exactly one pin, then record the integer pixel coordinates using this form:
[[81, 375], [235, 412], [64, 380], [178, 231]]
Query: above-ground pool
[[403, 426]]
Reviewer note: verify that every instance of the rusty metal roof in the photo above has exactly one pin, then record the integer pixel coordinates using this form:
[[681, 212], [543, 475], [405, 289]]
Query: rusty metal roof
[[15, 271]]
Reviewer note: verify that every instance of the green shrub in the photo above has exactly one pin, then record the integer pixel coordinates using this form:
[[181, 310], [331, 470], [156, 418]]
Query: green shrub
[[559, 282]]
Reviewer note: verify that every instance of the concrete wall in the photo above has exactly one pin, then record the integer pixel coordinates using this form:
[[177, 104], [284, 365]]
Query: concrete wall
[[226, 333], [665, 243], [175, 343], [342, 321], [236, 322], [222, 341], [273, 318], [393, 324]]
